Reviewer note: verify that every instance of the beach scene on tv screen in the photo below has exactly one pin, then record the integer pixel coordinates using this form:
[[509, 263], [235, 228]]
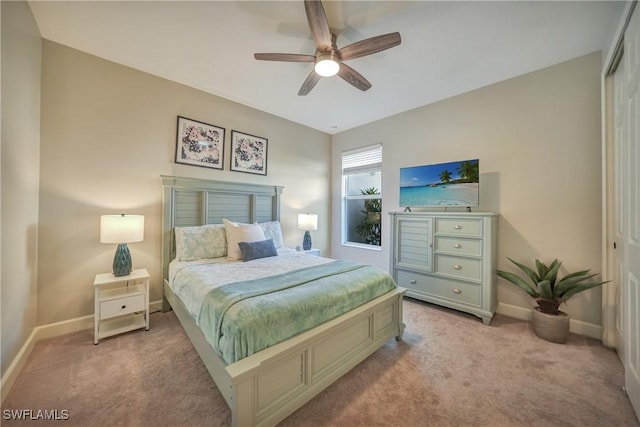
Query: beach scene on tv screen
[[442, 184]]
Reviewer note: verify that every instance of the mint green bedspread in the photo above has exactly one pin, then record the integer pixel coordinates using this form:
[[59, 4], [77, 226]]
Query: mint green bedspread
[[240, 319]]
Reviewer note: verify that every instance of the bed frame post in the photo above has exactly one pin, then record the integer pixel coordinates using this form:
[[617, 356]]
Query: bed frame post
[[401, 324]]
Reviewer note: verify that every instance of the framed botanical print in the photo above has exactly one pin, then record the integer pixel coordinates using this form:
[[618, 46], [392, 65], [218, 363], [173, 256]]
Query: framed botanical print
[[199, 144], [248, 153]]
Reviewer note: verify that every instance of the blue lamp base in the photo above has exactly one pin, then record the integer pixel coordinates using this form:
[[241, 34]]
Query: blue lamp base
[[122, 261], [306, 242]]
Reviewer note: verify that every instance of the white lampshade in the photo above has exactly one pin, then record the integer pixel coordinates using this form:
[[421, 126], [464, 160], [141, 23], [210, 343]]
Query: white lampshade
[[307, 221], [121, 228]]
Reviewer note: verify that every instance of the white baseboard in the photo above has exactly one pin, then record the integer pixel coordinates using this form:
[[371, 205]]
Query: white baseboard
[[49, 331], [576, 326], [514, 311], [587, 329], [16, 365]]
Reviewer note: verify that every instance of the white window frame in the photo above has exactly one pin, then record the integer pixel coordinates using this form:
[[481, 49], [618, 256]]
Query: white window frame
[[359, 160]]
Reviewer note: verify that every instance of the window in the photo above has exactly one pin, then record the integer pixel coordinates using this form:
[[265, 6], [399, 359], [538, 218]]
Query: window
[[362, 196]]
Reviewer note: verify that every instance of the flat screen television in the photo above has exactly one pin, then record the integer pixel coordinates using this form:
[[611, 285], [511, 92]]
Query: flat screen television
[[442, 184]]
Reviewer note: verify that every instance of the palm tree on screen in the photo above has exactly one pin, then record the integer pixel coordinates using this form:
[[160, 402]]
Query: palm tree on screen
[[445, 176], [469, 171]]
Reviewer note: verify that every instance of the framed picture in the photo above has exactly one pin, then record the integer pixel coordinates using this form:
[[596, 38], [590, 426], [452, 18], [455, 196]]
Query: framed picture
[[248, 153], [200, 144]]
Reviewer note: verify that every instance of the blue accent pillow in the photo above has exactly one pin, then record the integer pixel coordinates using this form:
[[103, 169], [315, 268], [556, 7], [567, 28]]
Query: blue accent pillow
[[259, 249]]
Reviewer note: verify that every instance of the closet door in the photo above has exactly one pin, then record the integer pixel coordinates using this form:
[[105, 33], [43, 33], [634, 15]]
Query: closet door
[[628, 227]]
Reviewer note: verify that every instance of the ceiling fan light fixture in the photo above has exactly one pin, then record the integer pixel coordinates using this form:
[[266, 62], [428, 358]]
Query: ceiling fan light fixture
[[327, 65]]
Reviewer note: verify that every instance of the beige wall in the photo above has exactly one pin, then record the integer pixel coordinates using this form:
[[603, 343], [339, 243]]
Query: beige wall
[[21, 50], [108, 133], [538, 140]]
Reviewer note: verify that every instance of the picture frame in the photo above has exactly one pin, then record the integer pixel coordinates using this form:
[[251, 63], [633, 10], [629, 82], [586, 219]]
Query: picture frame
[[248, 153], [199, 144]]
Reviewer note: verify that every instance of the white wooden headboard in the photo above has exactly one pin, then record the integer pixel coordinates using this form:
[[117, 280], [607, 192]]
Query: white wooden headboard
[[190, 202]]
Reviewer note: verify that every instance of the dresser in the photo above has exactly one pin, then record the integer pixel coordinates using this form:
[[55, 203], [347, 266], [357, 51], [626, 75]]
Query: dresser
[[447, 258]]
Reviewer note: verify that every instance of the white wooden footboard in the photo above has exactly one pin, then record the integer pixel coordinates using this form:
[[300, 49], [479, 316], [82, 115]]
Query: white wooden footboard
[[266, 387]]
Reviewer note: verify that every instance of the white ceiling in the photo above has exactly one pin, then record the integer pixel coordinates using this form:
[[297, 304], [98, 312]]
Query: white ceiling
[[448, 48]]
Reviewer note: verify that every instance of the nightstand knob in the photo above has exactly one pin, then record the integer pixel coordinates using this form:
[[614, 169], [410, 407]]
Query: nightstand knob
[[123, 307], [457, 291], [457, 246], [457, 267], [457, 227], [412, 281]]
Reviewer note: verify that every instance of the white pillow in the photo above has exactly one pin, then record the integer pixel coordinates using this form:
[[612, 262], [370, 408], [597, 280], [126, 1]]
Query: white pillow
[[204, 241], [272, 230], [237, 233]]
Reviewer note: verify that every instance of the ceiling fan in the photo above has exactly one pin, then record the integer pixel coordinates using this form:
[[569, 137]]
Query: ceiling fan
[[328, 59]]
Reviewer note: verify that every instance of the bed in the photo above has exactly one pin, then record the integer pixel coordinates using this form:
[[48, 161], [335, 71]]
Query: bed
[[272, 380]]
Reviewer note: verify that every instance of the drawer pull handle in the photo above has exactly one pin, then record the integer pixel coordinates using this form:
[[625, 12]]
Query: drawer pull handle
[[457, 291], [457, 227], [457, 246], [412, 281], [123, 307], [457, 267]]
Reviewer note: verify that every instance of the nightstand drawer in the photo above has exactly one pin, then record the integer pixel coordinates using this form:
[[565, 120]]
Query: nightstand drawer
[[459, 226], [458, 267], [456, 245], [120, 306]]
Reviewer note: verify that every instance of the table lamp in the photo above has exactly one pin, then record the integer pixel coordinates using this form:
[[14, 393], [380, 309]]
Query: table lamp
[[307, 222], [121, 229]]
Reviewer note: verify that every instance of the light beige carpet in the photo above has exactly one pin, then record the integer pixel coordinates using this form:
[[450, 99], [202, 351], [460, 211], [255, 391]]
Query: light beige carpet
[[450, 370]]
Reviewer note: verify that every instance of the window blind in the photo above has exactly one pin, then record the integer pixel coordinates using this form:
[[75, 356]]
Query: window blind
[[367, 159]]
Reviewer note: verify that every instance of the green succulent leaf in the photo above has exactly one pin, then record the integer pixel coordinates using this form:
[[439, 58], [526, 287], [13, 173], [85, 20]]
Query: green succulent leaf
[[542, 268], [580, 288], [552, 273], [532, 274], [576, 274], [518, 281], [567, 283], [544, 288]]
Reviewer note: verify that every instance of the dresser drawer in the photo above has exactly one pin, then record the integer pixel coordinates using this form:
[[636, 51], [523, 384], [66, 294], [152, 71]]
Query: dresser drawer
[[458, 267], [466, 293], [457, 245], [459, 226], [119, 306]]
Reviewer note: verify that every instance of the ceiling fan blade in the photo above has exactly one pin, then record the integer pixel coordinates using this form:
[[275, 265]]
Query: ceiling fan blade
[[353, 77], [370, 45], [318, 25], [309, 83], [287, 57]]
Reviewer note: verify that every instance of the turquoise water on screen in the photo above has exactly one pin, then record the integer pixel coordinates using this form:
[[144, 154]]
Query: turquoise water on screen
[[440, 195]]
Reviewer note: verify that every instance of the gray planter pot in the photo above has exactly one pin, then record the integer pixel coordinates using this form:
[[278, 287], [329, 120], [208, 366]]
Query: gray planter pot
[[554, 328]]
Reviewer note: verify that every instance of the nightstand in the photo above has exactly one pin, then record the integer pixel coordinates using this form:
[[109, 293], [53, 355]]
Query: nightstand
[[313, 251], [121, 303]]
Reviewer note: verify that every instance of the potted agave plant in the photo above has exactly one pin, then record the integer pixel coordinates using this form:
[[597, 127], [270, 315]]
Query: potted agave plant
[[549, 292]]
